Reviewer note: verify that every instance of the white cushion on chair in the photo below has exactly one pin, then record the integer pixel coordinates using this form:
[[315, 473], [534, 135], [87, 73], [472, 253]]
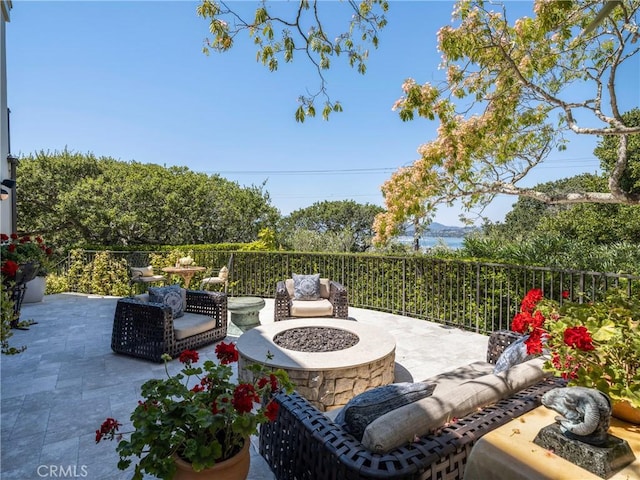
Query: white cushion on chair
[[315, 308], [142, 271], [192, 324], [222, 277]]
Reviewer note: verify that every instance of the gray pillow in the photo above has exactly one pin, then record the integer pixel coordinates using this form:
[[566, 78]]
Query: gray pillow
[[306, 287], [171, 296], [366, 407], [512, 355]]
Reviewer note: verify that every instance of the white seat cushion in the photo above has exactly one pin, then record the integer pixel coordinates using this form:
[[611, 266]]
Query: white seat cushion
[[213, 280], [311, 308], [192, 324], [150, 279]]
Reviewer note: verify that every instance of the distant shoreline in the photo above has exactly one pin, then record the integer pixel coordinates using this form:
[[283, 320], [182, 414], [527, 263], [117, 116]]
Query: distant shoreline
[[430, 241]]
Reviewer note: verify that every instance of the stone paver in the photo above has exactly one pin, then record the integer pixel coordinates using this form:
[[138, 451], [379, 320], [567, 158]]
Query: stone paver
[[56, 393]]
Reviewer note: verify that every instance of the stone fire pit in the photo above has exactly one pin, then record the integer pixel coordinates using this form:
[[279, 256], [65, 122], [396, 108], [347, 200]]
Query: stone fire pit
[[328, 379]]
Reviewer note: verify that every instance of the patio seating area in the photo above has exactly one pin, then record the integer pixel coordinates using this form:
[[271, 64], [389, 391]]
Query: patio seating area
[[58, 392]]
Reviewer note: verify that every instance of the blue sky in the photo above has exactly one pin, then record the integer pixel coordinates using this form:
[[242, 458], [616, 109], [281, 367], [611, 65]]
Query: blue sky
[[129, 80]]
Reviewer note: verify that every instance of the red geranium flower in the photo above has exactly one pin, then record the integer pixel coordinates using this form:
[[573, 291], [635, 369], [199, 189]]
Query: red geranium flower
[[226, 352], [108, 429], [244, 396], [537, 320], [14, 236], [189, 356], [271, 411], [4, 237], [521, 322], [565, 294], [578, 337], [10, 268], [531, 299], [535, 340]]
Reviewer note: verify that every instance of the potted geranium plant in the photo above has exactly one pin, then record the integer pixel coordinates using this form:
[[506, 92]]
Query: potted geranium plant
[[198, 419], [590, 344], [26, 249]]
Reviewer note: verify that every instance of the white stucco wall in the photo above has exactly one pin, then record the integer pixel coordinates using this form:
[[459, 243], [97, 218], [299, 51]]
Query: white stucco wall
[[5, 206]]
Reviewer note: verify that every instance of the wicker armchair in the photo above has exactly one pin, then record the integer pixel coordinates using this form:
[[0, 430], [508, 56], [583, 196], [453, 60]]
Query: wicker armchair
[[332, 293], [305, 444], [146, 330]]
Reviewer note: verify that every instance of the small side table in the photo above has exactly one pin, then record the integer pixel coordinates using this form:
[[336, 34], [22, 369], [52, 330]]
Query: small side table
[[508, 452], [186, 273], [245, 311]]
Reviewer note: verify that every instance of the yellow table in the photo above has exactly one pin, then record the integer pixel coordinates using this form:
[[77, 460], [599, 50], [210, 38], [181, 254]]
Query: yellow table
[[508, 452], [186, 273]]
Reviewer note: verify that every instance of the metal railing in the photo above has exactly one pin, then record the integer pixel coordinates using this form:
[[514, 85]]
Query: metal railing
[[481, 297]]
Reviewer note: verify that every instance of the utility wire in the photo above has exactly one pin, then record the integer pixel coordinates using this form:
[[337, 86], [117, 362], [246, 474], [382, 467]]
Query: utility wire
[[575, 162]]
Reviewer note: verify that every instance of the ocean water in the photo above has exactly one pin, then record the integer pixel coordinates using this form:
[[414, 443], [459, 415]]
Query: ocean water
[[429, 242]]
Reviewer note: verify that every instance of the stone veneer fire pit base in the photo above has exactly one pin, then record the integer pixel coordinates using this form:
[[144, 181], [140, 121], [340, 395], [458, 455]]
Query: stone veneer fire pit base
[[327, 379]]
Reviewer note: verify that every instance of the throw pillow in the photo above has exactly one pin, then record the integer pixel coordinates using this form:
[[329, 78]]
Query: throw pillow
[[366, 407], [306, 287], [223, 273], [171, 296], [512, 355], [142, 271]]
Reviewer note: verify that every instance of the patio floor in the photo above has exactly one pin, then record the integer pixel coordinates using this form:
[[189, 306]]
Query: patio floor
[[57, 393]]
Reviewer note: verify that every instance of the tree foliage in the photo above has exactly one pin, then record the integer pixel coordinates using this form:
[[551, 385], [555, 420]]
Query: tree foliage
[[594, 223], [510, 99], [302, 32], [345, 223], [79, 199]]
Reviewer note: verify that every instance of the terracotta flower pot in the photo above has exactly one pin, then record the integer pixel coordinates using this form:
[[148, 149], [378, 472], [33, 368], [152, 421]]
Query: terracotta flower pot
[[623, 410], [234, 468]]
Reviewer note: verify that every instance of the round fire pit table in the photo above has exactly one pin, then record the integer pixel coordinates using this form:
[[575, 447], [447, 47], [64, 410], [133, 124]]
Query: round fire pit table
[[245, 311], [328, 379]]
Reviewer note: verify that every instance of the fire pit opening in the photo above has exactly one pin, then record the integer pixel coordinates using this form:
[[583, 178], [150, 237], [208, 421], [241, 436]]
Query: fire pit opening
[[315, 339]]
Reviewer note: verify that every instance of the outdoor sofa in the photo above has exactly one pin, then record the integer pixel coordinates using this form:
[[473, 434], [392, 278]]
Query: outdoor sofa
[[304, 443], [147, 329]]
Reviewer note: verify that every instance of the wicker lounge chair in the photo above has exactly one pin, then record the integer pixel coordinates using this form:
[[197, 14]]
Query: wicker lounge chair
[[303, 443], [333, 301], [146, 330]]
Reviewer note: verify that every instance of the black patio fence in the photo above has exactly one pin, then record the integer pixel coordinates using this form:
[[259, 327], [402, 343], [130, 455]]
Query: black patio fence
[[475, 296]]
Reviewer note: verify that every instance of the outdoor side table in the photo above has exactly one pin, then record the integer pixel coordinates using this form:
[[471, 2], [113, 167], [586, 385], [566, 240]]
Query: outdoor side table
[[186, 273], [508, 452], [245, 311]]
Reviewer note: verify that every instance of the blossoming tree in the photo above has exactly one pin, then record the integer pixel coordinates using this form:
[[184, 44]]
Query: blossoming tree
[[514, 89], [510, 99]]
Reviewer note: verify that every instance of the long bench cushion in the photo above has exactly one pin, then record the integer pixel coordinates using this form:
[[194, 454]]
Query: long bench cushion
[[447, 380], [192, 324], [314, 308], [401, 425], [442, 382]]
